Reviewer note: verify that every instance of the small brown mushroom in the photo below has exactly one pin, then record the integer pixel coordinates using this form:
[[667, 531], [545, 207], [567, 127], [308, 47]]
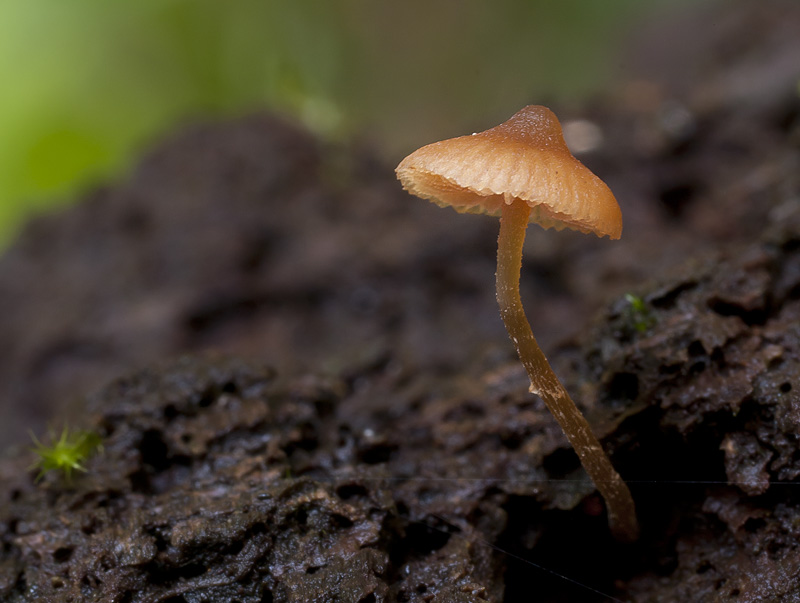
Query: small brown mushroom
[[523, 171]]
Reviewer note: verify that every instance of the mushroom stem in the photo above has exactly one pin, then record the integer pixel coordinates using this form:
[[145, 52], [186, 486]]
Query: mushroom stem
[[619, 503]]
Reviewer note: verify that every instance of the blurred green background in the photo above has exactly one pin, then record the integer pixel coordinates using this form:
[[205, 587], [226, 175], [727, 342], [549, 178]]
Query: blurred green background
[[85, 85]]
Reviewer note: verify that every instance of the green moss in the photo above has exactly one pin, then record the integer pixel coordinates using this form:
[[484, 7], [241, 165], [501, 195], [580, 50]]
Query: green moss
[[638, 313], [65, 453]]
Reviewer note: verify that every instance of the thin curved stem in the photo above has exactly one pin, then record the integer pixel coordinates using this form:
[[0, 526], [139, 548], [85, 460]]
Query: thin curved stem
[[619, 503]]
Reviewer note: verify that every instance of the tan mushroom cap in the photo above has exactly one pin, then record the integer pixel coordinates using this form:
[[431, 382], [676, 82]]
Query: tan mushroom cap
[[523, 158]]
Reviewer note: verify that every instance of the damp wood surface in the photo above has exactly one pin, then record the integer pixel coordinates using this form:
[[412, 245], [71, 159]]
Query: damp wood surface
[[305, 392]]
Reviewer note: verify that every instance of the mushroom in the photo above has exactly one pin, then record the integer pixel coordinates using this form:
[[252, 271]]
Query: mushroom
[[523, 171]]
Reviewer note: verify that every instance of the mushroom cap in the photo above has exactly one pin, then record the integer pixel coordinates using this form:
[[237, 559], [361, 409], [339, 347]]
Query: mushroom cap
[[523, 158]]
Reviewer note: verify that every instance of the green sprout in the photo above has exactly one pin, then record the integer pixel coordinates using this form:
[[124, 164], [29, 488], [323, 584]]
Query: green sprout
[[66, 453], [639, 313]]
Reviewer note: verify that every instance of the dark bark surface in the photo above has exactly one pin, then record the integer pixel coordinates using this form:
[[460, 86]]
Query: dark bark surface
[[383, 446]]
